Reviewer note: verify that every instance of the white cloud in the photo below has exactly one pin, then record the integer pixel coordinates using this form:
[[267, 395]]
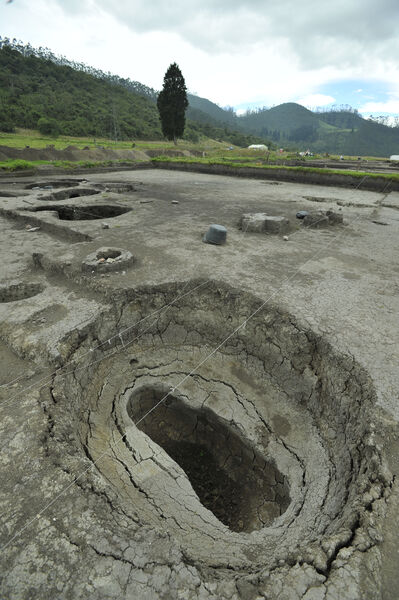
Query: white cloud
[[392, 107], [320, 34], [232, 52], [313, 100]]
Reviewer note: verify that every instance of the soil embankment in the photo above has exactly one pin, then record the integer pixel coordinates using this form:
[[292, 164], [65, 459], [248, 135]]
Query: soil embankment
[[329, 178], [325, 174], [97, 153]]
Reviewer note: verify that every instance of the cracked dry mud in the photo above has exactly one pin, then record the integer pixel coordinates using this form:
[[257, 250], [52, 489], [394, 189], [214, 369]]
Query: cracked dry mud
[[169, 436]]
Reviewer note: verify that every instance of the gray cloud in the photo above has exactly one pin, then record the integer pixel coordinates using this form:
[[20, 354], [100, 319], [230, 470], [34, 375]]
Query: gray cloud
[[76, 7], [344, 32]]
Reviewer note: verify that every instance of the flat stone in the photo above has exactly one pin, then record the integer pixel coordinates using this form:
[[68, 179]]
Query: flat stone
[[316, 220], [263, 223], [277, 224], [253, 223]]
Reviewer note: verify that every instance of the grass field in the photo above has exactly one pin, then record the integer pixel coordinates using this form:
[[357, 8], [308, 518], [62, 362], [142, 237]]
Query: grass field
[[21, 165], [33, 139], [213, 152]]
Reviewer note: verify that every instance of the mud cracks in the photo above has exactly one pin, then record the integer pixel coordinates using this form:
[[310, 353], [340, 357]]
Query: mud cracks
[[252, 453]]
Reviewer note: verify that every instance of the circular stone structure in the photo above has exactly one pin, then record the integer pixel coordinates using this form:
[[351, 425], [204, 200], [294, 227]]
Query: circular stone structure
[[253, 452], [107, 259]]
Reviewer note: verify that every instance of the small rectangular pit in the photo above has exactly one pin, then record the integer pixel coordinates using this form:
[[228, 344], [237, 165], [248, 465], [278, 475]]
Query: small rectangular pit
[[85, 213]]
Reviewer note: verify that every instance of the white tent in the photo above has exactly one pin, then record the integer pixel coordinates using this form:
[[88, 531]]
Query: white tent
[[257, 147]]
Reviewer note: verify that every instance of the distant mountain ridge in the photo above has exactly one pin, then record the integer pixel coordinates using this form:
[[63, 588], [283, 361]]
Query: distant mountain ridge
[[294, 126], [82, 100]]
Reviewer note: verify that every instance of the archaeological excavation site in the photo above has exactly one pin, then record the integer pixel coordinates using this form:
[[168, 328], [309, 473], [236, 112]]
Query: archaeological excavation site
[[199, 388]]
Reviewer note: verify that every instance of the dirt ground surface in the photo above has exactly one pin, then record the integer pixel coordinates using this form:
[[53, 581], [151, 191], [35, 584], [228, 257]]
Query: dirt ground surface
[[128, 346]]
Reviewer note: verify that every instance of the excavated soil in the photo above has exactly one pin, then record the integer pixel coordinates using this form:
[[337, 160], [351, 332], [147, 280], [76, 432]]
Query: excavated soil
[[300, 491], [200, 422]]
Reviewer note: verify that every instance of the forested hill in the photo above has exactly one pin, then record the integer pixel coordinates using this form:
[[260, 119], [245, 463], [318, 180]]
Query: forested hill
[[340, 132], [33, 88], [201, 109], [41, 91]]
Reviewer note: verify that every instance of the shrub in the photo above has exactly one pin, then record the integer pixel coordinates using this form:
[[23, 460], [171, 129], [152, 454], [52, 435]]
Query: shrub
[[48, 126], [6, 125]]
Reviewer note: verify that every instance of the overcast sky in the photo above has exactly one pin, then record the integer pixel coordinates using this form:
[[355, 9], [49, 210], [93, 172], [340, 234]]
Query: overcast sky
[[242, 54]]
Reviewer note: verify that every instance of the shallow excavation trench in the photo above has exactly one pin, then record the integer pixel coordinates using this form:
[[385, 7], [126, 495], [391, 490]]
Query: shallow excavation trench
[[261, 456], [83, 213]]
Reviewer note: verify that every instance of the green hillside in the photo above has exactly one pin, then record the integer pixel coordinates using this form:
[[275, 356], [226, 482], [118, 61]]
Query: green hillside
[[282, 118], [42, 92], [365, 138], [33, 88], [287, 122], [203, 110], [338, 132], [342, 119]]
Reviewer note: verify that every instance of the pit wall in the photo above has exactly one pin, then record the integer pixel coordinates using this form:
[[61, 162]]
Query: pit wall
[[336, 392], [373, 183]]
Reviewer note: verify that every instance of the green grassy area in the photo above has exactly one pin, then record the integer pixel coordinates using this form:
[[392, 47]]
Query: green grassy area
[[29, 137], [214, 152], [23, 138], [274, 156], [20, 165], [33, 139]]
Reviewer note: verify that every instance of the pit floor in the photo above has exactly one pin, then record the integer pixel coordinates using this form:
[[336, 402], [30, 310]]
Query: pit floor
[[342, 281]]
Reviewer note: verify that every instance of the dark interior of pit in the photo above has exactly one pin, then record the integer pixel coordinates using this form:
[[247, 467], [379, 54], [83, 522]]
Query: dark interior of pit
[[19, 291], [242, 488], [108, 253], [11, 194], [84, 213]]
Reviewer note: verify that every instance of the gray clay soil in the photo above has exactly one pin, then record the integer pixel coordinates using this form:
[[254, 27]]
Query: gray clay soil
[[187, 420]]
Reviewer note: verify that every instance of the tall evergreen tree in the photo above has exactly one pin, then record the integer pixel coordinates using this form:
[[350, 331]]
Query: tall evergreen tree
[[172, 103]]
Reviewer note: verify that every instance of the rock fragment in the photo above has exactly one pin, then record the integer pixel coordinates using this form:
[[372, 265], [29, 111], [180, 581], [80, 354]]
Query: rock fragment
[[320, 219], [316, 220]]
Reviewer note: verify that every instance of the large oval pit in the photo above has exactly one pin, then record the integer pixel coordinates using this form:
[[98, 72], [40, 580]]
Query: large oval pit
[[250, 451]]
